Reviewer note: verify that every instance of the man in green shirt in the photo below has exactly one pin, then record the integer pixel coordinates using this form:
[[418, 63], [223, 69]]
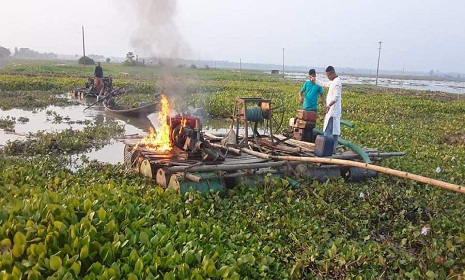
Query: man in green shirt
[[308, 94]]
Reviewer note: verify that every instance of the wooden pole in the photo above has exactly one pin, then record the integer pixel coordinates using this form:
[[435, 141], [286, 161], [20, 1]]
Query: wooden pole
[[398, 173], [283, 62], [226, 148], [307, 145], [377, 67]]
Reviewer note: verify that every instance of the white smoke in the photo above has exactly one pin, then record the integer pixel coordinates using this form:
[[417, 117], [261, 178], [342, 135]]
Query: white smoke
[[156, 33]]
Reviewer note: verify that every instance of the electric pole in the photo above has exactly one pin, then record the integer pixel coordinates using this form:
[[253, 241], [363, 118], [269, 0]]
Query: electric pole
[[83, 46], [283, 62], [377, 68]]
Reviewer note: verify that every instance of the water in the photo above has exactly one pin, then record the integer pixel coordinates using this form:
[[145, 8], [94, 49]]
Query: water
[[54, 119], [449, 86]]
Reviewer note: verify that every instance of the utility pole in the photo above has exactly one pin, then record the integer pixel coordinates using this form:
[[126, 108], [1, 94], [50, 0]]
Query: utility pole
[[240, 69], [283, 62], [83, 46], [377, 68]]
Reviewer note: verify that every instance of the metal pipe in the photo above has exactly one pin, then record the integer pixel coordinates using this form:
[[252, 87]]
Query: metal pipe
[[225, 167], [192, 177]]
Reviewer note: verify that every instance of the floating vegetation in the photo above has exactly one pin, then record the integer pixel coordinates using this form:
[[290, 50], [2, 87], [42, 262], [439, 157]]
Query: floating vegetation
[[7, 124], [31, 100], [23, 119], [101, 222], [68, 141]]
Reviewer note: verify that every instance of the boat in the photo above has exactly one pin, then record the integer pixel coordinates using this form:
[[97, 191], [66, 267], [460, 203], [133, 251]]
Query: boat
[[138, 112], [90, 91]]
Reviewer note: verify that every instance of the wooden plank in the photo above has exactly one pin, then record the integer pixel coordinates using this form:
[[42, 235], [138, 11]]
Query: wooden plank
[[268, 143], [306, 145]]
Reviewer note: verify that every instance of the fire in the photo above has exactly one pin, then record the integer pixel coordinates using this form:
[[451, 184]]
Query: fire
[[160, 140], [183, 123]]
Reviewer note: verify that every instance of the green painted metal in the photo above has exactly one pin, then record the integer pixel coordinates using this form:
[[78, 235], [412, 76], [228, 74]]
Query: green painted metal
[[258, 179], [210, 182]]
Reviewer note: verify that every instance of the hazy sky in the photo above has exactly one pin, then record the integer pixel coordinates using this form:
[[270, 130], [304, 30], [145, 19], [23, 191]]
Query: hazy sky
[[416, 35]]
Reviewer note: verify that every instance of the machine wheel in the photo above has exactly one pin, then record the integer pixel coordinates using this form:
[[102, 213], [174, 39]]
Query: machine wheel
[[179, 138], [277, 116]]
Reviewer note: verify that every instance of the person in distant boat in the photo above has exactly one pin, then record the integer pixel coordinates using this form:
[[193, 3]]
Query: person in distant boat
[[98, 77], [308, 94], [333, 104], [109, 100]]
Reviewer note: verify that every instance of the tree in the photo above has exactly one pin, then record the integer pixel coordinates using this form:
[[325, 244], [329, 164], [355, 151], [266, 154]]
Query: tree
[[133, 60], [86, 60], [4, 52], [130, 59], [108, 60]]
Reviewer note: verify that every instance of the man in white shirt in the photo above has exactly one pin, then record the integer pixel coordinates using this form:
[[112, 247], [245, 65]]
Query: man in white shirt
[[333, 106]]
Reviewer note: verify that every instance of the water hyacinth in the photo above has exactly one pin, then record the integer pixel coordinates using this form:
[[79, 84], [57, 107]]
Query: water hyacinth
[[425, 230], [105, 222]]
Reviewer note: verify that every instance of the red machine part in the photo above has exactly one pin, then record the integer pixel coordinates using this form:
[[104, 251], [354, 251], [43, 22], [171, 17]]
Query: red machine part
[[190, 121]]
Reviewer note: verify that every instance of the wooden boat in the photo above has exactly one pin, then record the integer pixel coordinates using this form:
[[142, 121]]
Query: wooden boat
[[138, 112]]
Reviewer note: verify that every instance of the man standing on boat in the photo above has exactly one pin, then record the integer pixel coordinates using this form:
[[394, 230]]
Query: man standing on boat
[[98, 77], [333, 104], [308, 94]]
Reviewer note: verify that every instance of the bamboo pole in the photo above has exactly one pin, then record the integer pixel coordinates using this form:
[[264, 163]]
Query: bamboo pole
[[307, 145], [398, 173], [267, 142], [212, 137], [226, 148]]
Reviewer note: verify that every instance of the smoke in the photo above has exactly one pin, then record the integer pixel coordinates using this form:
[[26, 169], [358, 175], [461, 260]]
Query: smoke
[[156, 33]]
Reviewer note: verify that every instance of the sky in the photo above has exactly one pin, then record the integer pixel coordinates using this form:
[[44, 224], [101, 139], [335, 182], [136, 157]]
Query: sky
[[416, 35]]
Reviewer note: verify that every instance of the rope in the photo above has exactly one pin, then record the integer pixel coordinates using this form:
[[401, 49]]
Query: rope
[[254, 114]]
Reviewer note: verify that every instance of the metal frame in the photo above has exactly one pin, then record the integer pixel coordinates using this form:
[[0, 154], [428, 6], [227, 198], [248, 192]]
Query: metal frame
[[239, 116]]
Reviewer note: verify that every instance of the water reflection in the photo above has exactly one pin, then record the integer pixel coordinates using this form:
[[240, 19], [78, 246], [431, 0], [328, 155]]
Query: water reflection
[[54, 119], [132, 125]]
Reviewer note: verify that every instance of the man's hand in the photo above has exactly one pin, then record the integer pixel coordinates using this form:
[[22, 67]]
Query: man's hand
[[326, 109]]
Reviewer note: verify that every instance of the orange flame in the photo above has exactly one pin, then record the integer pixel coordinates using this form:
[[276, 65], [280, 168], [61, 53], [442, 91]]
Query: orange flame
[[160, 140], [183, 124]]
